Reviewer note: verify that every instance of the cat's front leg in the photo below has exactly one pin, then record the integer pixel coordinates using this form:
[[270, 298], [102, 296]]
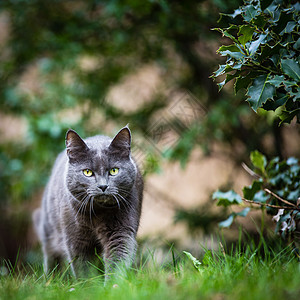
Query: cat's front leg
[[119, 254]]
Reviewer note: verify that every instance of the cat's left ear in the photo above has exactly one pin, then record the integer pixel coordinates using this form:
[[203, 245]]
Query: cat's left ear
[[121, 142], [76, 147]]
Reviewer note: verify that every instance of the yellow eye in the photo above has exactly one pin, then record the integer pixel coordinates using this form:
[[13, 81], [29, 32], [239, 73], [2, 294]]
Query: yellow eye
[[114, 171], [88, 172]]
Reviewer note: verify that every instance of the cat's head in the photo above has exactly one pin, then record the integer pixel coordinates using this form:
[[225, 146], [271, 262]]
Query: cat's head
[[101, 171]]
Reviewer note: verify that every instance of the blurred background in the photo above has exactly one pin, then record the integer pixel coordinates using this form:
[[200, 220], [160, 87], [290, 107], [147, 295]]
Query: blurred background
[[96, 66]]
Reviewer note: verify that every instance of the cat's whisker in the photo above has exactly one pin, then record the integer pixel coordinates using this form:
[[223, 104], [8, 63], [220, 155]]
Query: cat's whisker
[[82, 206], [115, 197], [126, 203], [91, 206]]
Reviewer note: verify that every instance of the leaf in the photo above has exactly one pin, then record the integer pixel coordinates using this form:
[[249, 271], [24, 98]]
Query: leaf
[[258, 160], [195, 261], [220, 71], [297, 44], [255, 44], [276, 80], [289, 27], [251, 190], [280, 100], [246, 32], [232, 48], [291, 68], [261, 197], [237, 12], [260, 92], [227, 222], [288, 116], [242, 83], [250, 13], [227, 198], [232, 51], [244, 212]]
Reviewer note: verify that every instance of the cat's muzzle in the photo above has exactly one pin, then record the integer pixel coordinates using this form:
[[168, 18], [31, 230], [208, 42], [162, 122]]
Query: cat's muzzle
[[105, 200]]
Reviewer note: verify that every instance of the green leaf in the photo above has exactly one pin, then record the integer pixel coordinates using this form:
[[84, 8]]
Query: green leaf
[[291, 68], [242, 83], [280, 100], [232, 51], [297, 45], [195, 261], [289, 27], [246, 32], [220, 71], [251, 190], [227, 198], [227, 79], [243, 213], [260, 92], [227, 222], [255, 44], [261, 197], [250, 12], [288, 116], [276, 80], [258, 160], [231, 48]]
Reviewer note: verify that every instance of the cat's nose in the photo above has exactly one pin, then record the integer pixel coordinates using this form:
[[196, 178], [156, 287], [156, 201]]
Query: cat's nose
[[103, 187]]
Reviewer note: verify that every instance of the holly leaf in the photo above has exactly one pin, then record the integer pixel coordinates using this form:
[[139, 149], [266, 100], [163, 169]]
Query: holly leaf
[[291, 68], [260, 92], [227, 198], [255, 44], [258, 160], [227, 222], [232, 51], [288, 116], [241, 83], [251, 190], [276, 80], [250, 12], [245, 32]]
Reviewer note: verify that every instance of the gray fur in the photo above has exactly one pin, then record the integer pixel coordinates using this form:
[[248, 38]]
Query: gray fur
[[77, 218]]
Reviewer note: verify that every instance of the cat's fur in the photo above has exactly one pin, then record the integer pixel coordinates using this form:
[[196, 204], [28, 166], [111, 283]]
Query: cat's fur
[[77, 218]]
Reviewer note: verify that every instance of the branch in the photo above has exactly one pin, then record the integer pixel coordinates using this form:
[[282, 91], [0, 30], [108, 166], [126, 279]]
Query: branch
[[284, 201], [270, 205]]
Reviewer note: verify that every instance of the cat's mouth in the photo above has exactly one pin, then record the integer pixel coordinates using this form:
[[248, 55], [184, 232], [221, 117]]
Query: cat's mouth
[[105, 201]]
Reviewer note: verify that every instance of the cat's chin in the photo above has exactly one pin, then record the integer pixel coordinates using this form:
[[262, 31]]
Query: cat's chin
[[105, 201]]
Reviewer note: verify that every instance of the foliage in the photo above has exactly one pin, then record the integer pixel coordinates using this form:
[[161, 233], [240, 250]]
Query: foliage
[[276, 188], [263, 57]]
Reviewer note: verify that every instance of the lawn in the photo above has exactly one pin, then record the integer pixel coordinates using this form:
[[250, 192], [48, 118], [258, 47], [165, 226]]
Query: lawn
[[247, 274]]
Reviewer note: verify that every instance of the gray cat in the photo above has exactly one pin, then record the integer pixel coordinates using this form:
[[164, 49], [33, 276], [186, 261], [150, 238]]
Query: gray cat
[[92, 203]]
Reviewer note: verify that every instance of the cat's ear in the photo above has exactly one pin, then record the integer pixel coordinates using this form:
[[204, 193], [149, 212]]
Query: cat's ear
[[76, 147], [121, 142]]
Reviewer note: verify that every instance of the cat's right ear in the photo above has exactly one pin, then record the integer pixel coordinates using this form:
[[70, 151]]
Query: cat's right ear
[[76, 147]]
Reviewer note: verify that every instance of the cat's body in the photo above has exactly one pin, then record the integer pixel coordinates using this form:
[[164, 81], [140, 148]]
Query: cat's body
[[92, 203]]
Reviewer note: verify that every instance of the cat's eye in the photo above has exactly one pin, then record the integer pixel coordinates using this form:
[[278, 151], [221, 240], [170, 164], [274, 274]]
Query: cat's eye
[[114, 171], [87, 172]]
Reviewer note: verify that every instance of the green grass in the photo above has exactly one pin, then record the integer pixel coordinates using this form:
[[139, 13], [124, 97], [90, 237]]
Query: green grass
[[237, 275]]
